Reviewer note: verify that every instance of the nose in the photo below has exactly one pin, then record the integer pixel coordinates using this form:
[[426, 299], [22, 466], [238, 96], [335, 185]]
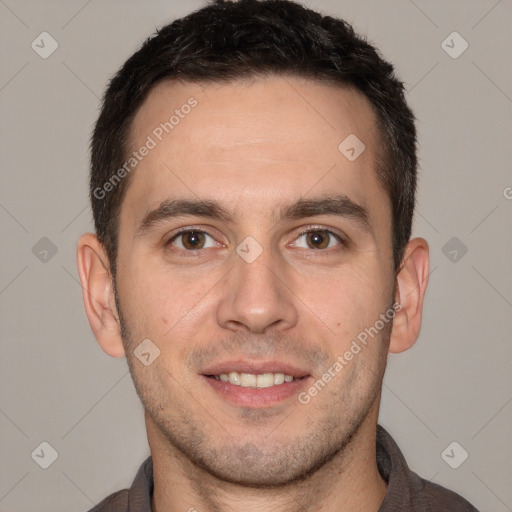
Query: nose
[[257, 296]]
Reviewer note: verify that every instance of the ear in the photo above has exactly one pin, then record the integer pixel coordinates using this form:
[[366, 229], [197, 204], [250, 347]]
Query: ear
[[98, 294], [411, 285]]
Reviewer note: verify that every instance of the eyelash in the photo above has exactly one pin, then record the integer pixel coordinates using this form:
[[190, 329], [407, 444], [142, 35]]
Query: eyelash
[[195, 252]]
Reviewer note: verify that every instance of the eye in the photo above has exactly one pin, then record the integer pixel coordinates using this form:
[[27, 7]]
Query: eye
[[318, 239], [190, 240]]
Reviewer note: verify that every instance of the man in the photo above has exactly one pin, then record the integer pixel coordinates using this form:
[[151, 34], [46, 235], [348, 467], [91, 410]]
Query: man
[[253, 181]]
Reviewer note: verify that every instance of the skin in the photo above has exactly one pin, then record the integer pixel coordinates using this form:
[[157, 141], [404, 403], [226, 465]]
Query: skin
[[255, 146]]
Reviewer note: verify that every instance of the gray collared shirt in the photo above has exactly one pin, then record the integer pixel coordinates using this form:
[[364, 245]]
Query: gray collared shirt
[[407, 492]]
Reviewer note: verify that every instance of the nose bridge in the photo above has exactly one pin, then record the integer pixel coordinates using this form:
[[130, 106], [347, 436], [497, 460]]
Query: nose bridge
[[256, 296]]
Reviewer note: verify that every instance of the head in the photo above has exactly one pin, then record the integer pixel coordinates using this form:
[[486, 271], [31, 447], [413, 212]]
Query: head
[[281, 142]]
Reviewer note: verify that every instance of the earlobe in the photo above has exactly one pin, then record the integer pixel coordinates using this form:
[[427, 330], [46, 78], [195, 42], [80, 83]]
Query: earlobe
[[411, 285], [98, 296]]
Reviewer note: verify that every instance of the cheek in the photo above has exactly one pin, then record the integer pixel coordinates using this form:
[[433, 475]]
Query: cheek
[[348, 300], [159, 302]]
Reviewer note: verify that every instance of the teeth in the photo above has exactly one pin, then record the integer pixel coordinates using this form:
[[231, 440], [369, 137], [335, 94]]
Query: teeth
[[265, 380], [250, 380], [234, 378], [279, 378]]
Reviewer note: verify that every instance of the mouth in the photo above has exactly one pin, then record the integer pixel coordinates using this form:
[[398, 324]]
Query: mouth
[[256, 385], [251, 380]]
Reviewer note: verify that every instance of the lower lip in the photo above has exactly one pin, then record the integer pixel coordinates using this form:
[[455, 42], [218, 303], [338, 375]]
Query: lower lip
[[257, 397]]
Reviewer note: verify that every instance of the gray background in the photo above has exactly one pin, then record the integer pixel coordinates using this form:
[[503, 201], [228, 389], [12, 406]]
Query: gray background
[[58, 386]]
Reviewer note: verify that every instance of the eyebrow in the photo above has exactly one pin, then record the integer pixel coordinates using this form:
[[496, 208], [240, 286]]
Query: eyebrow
[[338, 205]]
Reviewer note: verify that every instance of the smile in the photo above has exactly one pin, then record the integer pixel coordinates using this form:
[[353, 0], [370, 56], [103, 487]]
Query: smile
[[251, 380]]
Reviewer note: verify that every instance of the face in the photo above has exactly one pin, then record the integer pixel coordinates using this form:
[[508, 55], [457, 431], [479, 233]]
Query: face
[[250, 244]]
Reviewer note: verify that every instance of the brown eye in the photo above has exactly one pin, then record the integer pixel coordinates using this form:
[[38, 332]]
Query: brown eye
[[191, 240], [318, 239]]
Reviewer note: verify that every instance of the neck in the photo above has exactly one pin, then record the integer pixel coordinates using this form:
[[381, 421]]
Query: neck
[[348, 482]]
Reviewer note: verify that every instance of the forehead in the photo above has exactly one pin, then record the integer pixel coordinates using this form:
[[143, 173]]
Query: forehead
[[252, 143]]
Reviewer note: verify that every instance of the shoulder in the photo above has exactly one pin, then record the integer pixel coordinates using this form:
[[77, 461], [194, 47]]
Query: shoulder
[[117, 502], [407, 491], [439, 498], [137, 498]]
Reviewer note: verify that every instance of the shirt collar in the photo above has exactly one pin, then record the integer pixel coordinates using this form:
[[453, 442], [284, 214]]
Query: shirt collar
[[405, 488]]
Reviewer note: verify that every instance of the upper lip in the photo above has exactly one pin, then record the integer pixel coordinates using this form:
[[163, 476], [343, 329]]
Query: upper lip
[[255, 367]]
